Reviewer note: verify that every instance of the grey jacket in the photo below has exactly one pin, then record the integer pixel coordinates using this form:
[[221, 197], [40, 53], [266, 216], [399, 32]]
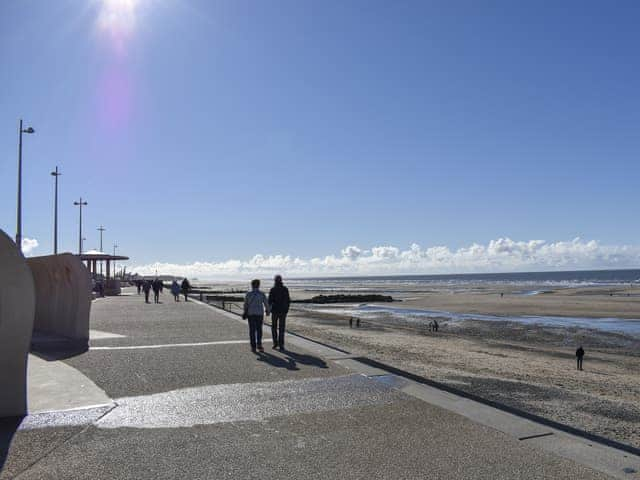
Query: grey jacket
[[254, 301]]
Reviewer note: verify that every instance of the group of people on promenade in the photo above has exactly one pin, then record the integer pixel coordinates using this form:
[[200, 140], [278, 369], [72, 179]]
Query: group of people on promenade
[[146, 286], [257, 305]]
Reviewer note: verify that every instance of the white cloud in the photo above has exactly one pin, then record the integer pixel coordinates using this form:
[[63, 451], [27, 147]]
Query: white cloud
[[501, 255], [28, 245]]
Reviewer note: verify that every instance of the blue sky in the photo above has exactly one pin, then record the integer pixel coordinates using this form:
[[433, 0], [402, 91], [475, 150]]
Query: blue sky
[[206, 131]]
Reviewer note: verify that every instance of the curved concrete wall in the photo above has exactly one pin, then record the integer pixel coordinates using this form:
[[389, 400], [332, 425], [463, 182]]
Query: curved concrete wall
[[17, 307], [63, 296]]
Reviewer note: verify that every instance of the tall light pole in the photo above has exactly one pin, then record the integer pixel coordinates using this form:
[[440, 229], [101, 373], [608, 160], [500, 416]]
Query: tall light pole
[[115, 245], [19, 213], [56, 174], [101, 229], [80, 204]]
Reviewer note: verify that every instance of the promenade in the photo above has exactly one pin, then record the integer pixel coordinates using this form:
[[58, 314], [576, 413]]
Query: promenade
[[173, 391]]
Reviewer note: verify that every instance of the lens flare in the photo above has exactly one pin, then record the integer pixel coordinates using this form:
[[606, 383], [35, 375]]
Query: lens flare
[[116, 23]]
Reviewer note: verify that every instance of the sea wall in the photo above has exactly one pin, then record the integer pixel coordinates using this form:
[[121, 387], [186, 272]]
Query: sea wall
[[63, 297], [17, 308]]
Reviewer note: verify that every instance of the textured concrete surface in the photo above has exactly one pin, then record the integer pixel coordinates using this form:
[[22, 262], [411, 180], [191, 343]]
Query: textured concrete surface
[[56, 386], [168, 322], [246, 401], [123, 373], [17, 309], [405, 439], [220, 411]]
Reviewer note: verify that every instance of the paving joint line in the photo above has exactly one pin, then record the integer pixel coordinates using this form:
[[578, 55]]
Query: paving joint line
[[46, 455]]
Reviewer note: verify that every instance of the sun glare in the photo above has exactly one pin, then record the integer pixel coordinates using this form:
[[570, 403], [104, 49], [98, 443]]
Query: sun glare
[[117, 17]]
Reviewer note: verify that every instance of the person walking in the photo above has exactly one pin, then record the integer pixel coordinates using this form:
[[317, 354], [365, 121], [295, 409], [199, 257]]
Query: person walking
[[157, 288], [146, 288], [279, 301], [185, 286], [255, 306], [139, 285], [579, 356], [175, 291]]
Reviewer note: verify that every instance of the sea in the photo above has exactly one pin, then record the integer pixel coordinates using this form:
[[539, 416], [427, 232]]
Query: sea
[[522, 283], [552, 279]]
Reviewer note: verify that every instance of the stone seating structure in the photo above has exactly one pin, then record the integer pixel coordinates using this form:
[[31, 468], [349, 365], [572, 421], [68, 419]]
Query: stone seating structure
[[17, 309], [63, 298], [44, 305]]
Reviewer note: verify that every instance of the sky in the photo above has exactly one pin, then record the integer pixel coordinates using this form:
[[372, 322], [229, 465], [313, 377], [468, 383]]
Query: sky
[[232, 138]]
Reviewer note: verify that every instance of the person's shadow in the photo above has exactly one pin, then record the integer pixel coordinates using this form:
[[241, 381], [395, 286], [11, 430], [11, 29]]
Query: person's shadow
[[305, 359], [278, 362]]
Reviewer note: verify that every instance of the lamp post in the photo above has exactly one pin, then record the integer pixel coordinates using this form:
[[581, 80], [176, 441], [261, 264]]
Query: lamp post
[[19, 212], [80, 204], [101, 229], [115, 245], [56, 174]]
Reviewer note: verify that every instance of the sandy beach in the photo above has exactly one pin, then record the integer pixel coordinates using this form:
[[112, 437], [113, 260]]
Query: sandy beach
[[530, 367], [524, 365]]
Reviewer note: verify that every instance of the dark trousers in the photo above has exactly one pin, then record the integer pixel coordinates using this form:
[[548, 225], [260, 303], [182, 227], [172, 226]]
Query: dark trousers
[[146, 296], [579, 359], [186, 296], [255, 330], [156, 297], [277, 328]]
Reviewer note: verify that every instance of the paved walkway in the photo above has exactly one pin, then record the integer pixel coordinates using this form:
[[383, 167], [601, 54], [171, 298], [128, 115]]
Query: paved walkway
[[173, 391]]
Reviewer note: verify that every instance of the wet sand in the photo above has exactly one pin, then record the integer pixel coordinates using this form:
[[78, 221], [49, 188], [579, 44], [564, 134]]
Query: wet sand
[[601, 302]]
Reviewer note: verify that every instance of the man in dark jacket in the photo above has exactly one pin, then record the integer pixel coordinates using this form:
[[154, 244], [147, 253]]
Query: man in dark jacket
[[579, 355], [279, 305], [185, 287], [146, 287], [157, 288]]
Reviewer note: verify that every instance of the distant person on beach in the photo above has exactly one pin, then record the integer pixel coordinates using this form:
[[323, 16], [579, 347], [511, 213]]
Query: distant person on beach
[[175, 291], [435, 325], [255, 306], [579, 356], [279, 301], [146, 288], [157, 288], [185, 286]]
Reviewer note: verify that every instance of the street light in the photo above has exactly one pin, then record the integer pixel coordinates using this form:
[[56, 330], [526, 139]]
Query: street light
[[19, 212], [101, 229], [115, 245], [56, 174], [80, 204]]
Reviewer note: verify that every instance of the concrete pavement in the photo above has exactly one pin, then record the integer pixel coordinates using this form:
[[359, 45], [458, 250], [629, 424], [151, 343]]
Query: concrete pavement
[[186, 398]]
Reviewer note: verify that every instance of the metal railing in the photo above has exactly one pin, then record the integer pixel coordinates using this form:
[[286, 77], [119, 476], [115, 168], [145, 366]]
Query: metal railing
[[225, 305]]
